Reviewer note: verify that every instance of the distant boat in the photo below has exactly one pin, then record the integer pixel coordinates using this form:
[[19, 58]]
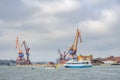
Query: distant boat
[[115, 64], [78, 64], [109, 62], [49, 68], [50, 65]]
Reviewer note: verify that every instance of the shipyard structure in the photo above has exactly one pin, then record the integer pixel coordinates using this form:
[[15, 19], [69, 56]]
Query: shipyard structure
[[71, 53], [21, 60]]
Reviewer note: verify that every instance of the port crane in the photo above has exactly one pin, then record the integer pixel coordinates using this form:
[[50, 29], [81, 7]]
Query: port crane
[[20, 59], [71, 53], [27, 49], [62, 55], [73, 49]]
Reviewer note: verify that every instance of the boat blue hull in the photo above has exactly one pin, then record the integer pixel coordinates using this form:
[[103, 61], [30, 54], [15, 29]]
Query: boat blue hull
[[78, 66]]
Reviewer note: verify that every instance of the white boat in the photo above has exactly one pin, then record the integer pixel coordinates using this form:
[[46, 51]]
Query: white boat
[[49, 68], [78, 64], [51, 65], [109, 62]]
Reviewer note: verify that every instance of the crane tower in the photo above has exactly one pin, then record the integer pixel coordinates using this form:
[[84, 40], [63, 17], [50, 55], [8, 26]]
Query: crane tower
[[73, 49], [20, 59], [27, 61]]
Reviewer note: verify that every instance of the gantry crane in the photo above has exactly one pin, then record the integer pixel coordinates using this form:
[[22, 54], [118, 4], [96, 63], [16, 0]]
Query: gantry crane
[[27, 49], [20, 59], [73, 49]]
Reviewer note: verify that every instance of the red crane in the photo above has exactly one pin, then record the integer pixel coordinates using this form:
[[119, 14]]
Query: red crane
[[20, 58], [62, 56], [27, 49]]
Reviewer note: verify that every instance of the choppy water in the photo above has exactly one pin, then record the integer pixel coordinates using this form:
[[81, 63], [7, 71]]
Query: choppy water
[[39, 73]]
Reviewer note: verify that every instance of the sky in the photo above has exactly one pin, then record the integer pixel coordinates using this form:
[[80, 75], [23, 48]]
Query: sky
[[49, 25]]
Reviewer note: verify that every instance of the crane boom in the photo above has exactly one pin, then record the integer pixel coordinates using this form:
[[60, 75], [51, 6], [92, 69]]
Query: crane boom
[[26, 47], [73, 48], [17, 44], [60, 53]]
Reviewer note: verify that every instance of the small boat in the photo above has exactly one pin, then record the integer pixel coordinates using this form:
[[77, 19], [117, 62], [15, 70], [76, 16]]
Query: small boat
[[50, 65], [78, 64], [116, 64], [109, 62], [49, 68]]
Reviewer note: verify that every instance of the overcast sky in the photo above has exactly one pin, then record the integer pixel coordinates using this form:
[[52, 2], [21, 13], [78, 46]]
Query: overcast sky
[[49, 25]]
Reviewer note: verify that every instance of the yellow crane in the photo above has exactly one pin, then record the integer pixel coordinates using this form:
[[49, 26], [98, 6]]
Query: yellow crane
[[73, 49]]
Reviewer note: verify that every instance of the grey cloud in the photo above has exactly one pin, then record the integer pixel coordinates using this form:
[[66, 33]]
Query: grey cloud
[[12, 10]]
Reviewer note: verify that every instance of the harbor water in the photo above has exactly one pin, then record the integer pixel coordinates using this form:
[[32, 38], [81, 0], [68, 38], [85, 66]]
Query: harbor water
[[61, 73]]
